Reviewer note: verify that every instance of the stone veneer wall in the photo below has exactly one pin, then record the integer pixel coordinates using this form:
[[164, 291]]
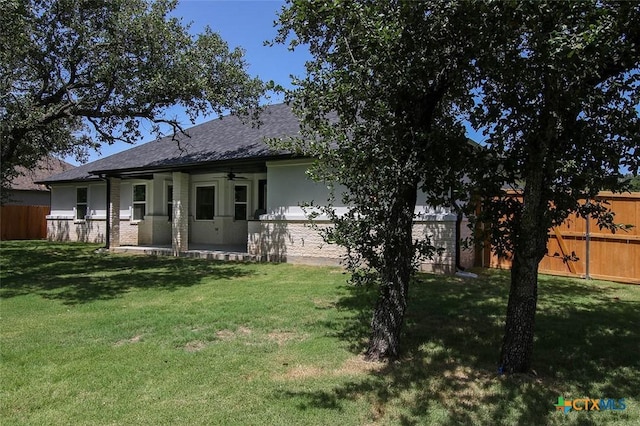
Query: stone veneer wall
[[129, 232], [297, 242], [114, 211], [180, 225], [290, 241], [89, 230]]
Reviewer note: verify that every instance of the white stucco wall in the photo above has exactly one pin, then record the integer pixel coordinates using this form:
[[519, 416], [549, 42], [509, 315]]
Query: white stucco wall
[[63, 200], [126, 197], [97, 200], [289, 187], [158, 187]]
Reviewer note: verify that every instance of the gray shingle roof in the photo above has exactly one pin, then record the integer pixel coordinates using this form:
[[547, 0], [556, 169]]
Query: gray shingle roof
[[220, 140]]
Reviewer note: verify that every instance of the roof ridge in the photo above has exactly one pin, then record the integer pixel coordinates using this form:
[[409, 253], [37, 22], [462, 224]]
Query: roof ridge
[[221, 139]]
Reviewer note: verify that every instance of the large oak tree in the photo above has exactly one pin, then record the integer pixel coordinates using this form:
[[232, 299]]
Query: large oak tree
[[556, 90], [78, 73], [559, 100], [378, 112]]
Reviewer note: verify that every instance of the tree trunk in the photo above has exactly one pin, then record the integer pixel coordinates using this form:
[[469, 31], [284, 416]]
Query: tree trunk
[[398, 255], [517, 346], [530, 245]]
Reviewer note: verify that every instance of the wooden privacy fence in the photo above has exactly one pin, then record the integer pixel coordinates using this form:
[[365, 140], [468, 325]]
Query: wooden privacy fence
[[23, 222], [595, 253]]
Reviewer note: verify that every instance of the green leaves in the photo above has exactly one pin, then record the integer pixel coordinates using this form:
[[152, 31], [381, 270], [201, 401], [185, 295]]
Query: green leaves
[[379, 107], [554, 87], [80, 73], [558, 94]]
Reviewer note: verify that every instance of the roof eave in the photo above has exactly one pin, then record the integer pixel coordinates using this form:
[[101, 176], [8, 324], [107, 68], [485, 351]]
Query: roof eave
[[190, 166], [85, 179]]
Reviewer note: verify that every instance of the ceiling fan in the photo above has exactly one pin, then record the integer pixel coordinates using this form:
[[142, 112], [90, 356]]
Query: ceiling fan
[[233, 176]]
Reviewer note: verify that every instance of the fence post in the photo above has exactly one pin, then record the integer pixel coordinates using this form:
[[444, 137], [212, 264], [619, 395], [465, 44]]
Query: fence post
[[587, 242]]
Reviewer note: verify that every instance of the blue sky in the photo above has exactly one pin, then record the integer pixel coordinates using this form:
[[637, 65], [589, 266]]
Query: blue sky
[[245, 24], [241, 23]]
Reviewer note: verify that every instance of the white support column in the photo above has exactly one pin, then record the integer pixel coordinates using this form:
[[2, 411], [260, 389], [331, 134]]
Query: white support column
[[180, 225], [114, 212]]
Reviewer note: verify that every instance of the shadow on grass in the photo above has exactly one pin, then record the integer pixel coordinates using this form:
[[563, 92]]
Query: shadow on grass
[[587, 345], [75, 273]]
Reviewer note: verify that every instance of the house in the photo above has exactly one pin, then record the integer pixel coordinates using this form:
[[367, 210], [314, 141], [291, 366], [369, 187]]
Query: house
[[25, 204], [24, 189], [220, 188]]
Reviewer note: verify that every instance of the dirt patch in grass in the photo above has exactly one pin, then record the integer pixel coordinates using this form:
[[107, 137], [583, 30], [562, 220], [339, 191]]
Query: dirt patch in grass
[[243, 331], [323, 303], [283, 337], [135, 339], [351, 367], [195, 346], [358, 365], [470, 384], [225, 334], [230, 335], [303, 372]]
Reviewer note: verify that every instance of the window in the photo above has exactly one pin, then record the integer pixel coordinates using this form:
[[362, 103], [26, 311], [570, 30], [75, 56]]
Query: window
[[170, 202], [81, 203], [240, 201], [139, 202], [205, 202]]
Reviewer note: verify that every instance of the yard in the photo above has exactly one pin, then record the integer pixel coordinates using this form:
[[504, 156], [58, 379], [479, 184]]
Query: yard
[[90, 338]]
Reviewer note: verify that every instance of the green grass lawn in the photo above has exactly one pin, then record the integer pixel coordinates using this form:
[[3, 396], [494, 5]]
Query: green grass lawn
[[92, 338]]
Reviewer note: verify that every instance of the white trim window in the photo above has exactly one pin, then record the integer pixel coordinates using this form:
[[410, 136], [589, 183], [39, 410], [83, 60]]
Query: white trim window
[[240, 202], [82, 203], [139, 202], [205, 202]]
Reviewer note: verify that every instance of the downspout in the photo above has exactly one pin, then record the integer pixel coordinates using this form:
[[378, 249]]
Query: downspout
[[456, 208], [46, 230], [108, 211], [460, 270], [459, 266]]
